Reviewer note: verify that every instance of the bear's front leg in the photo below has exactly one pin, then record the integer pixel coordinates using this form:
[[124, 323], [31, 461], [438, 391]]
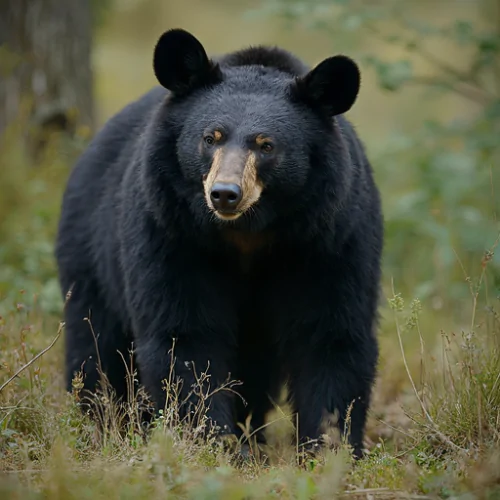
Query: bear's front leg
[[326, 318], [176, 299], [191, 372], [333, 379]]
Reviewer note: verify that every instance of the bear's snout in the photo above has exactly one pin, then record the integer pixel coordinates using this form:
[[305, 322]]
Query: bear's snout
[[232, 185]]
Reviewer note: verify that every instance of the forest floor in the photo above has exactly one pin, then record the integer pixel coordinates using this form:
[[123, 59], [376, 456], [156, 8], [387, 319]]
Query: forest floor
[[433, 434]]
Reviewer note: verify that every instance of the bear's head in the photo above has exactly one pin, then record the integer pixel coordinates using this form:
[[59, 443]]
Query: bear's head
[[248, 136]]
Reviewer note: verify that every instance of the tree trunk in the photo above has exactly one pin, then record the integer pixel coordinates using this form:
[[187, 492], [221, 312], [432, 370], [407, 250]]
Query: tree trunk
[[45, 67]]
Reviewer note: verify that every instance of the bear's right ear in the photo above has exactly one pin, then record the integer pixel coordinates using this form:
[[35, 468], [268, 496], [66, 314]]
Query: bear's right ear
[[181, 64]]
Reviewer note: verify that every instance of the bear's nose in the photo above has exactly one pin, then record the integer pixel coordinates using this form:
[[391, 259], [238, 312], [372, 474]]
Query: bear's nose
[[225, 196]]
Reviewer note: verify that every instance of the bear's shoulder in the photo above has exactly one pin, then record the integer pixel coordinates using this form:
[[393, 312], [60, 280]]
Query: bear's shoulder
[[267, 56]]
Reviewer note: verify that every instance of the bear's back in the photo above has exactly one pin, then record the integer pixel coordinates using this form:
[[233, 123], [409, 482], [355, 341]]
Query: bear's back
[[88, 201], [269, 57]]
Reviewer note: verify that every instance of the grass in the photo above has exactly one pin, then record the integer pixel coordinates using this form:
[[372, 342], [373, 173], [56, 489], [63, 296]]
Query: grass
[[433, 430], [444, 443]]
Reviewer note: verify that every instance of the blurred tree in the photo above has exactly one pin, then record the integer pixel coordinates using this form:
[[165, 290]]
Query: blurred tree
[[45, 67]]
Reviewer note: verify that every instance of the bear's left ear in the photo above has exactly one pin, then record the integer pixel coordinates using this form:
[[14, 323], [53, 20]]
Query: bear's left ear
[[181, 64], [332, 86]]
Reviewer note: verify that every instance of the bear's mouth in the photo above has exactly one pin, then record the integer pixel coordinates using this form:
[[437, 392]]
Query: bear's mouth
[[227, 215]]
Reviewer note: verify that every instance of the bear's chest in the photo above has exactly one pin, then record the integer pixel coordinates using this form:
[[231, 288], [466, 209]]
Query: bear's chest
[[254, 317], [248, 249], [256, 266], [255, 300]]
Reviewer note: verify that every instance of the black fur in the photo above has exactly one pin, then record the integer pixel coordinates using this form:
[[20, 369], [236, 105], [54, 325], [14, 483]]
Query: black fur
[[269, 57], [142, 252]]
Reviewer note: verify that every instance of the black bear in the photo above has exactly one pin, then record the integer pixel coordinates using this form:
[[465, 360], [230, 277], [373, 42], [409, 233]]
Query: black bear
[[231, 210]]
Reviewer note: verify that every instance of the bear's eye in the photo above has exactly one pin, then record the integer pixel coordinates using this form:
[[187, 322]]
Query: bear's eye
[[267, 147], [209, 140]]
